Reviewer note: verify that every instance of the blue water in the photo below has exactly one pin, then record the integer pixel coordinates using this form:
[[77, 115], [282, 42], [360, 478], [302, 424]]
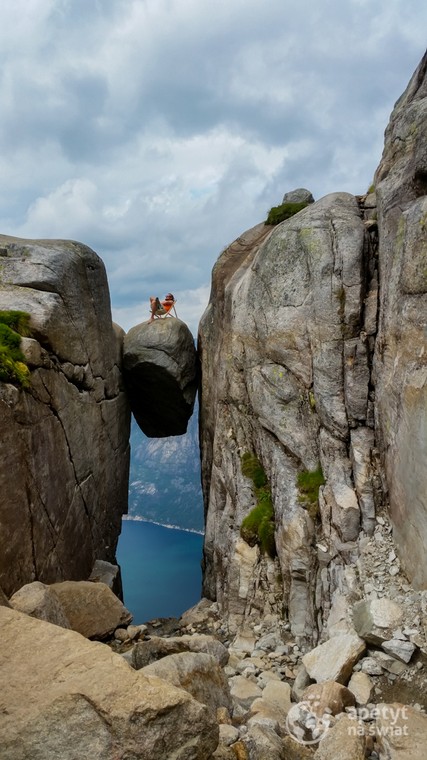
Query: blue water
[[161, 570]]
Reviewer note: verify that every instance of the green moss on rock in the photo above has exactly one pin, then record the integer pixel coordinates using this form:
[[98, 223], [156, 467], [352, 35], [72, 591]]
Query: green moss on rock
[[258, 526], [309, 482], [278, 214], [13, 368]]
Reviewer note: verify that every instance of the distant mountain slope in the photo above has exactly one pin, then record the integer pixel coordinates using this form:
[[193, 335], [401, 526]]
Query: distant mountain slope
[[164, 482]]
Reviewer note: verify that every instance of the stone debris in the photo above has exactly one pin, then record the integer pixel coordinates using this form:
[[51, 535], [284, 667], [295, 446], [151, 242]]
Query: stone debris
[[341, 743], [328, 697], [91, 608], [334, 660], [40, 601], [273, 699], [401, 732], [375, 619], [403, 650], [257, 689], [361, 686]]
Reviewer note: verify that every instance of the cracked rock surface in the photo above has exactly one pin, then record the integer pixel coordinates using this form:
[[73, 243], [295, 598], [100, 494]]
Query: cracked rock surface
[[286, 354], [65, 439]]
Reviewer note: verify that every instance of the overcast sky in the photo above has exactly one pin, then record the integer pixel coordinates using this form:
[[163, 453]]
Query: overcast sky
[[157, 131]]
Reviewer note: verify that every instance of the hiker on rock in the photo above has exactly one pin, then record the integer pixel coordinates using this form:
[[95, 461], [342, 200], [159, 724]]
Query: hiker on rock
[[161, 308]]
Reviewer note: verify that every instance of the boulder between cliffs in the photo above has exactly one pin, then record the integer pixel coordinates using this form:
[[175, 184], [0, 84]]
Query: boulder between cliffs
[[160, 370]]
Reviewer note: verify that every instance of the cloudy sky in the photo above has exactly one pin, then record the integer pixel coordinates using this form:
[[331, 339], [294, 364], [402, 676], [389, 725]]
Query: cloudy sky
[[157, 131]]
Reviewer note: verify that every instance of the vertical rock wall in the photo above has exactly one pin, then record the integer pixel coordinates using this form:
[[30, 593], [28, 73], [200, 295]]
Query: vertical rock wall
[[286, 349], [297, 370], [401, 350], [65, 439]]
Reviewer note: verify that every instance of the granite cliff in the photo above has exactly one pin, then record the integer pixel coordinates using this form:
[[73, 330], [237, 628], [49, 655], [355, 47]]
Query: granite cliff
[[318, 327], [65, 434], [64, 438]]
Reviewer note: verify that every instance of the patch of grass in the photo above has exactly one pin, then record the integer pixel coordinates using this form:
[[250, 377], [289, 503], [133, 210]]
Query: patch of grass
[[309, 482], [13, 368], [341, 299], [16, 320], [371, 189], [253, 469], [278, 214], [258, 526]]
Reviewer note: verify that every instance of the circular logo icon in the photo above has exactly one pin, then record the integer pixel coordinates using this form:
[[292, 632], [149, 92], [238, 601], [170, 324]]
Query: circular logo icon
[[305, 724]]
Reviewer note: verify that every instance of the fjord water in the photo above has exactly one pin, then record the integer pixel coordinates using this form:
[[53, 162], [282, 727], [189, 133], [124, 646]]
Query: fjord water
[[161, 570], [160, 564]]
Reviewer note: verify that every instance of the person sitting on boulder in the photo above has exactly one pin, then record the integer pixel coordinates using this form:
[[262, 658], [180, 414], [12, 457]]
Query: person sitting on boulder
[[161, 308]]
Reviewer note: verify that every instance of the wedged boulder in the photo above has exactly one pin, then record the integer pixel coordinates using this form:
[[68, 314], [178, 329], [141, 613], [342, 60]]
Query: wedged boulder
[[91, 608], [66, 697], [160, 367], [65, 438], [197, 673], [300, 195], [39, 601]]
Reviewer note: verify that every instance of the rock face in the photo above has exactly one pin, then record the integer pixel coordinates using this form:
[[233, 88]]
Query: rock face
[[285, 375], [161, 376], [65, 439], [297, 372], [401, 346], [68, 697]]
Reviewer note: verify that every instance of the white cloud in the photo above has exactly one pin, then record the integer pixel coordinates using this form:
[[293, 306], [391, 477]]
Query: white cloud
[[157, 138]]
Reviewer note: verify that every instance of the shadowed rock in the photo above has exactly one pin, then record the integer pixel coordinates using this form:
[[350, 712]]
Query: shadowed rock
[[160, 371], [65, 438]]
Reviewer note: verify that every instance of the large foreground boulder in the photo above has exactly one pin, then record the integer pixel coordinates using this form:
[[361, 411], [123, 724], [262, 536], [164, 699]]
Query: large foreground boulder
[[65, 697], [161, 376]]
